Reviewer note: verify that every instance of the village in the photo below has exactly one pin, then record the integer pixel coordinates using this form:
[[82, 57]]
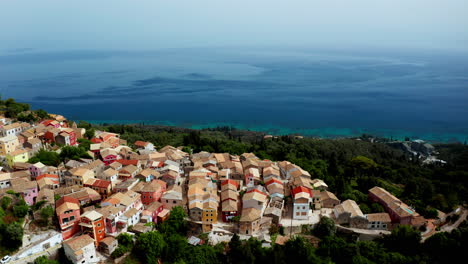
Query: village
[[129, 187]]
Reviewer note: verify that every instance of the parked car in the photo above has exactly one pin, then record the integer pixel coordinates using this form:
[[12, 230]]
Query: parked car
[[5, 259]]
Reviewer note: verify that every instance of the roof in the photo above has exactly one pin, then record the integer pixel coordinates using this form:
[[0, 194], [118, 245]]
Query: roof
[[229, 205], [92, 215], [125, 162], [66, 203], [229, 194], [108, 241], [77, 243], [300, 189], [80, 172], [349, 206], [254, 195], [152, 186], [379, 217], [98, 183], [141, 143], [46, 175], [393, 203], [131, 212], [327, 195], [250, 214]]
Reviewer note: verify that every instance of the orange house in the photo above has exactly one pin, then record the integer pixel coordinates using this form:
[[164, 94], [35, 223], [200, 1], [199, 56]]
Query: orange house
[[92, 223], [68, 214]]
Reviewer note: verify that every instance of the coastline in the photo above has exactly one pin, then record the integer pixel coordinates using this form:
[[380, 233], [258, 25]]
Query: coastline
[[325, 132]]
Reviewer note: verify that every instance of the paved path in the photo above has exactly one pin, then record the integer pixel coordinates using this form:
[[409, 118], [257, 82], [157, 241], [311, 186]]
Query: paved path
[[32, 257]]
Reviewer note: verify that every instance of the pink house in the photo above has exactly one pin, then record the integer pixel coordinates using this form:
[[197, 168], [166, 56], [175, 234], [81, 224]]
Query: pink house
[[108, 155], [152, 191], [27, 189], [37, 169], [151, 212], [68, 214]]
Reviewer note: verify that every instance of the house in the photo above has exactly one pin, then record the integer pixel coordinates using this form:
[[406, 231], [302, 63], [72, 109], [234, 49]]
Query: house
[[301, 202], [108, 155], [316, 199], [127, 185], [144, 145], [37, 169], [380, 221], [275, 210], [271, 172], [254, 199], [111, 214], [129, 199], [209, 214], [147, 175], [346, 211], [127, 172], [103, 187], [33, 144], [51, 123], [319, 184], [229, 204], [68, 215], [252, 177], [249, 163], [5, 180], [130, 218], [28, 189], [275, 187], [11, 130], [97, 166], [92, 224], [170, 177], [152, 191], [19, 155], [108, 245], [172, 197], [49, 181], [85, 195], [81, 250], [8, 144], [51, 134], [150, 214], [68, 136], [399, 212], [78, 176], [249, 223], [328, 199], [109, 175]]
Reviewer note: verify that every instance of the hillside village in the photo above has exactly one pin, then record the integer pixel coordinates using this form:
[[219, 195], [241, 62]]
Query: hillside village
[[124, 186]]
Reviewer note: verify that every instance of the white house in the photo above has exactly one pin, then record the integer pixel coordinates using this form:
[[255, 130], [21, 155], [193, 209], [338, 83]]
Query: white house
[[80, 250]]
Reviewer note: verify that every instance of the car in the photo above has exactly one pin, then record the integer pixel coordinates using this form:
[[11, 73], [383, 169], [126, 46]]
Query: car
[[5, 259]]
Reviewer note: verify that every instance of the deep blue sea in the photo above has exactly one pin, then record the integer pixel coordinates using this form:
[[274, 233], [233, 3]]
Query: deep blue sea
[[315, 92]]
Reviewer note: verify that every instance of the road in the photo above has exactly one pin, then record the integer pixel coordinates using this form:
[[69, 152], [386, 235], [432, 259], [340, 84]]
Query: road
[[32, 257]]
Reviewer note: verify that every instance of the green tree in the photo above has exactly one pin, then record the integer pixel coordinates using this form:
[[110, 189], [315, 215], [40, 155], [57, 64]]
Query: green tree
[[49, 158], [44, 260], [13, 235], [149, 247], [46, 213], [325, 227], [90, 132], [6, 201], [403, 239], [21, 209]]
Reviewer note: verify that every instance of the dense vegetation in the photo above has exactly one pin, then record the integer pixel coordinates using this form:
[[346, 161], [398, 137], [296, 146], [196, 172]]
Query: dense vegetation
[[13, 209], [169, 245], [350, 167]]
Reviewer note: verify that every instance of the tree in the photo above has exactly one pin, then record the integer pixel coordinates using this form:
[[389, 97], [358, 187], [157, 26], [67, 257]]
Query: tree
[[20, 210], [49, 158], [298, 250], [13, 235], [325, 227], [150, 247], [73, 153], [6, 201], [403, 239], [90, 132], [46, 213], [44, 260], [176, 222]]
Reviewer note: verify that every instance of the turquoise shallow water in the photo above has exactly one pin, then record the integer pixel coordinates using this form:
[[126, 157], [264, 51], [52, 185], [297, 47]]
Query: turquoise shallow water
[[327, 132]]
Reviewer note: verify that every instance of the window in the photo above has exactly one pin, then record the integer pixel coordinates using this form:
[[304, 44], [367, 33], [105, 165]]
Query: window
[[99, 224], [72, 218], [167, 201], [303, 207], [173, 202], [100, 231], [297, 213]]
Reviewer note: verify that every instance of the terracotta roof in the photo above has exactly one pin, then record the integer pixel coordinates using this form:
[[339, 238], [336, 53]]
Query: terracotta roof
[[77, 243], [141, 143], [379, 217], [66, 203], [300, 189], [128, 162], [250, 214]]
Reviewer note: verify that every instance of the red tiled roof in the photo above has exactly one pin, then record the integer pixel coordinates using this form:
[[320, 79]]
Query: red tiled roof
[[101, 183], [141, 143], [127, 162], [96, 140], [300, 189], [273, 180], [66, 199], [47, 176], [255, 190], [229, 181]]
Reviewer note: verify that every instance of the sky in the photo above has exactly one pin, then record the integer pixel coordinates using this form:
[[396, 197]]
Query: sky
[[155, 24]]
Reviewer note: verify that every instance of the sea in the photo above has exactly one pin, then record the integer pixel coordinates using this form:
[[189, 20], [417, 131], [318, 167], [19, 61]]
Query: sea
[[320, 92]]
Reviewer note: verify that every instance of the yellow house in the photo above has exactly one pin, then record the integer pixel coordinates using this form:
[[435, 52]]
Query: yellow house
[[209, 215], [19, 155], [8, 144]]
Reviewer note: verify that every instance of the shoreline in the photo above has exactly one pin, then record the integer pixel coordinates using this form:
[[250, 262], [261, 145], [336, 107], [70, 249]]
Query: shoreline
[[326, 132]]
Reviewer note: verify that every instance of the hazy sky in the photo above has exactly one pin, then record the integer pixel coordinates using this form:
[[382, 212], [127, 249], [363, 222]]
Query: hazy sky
[[152, 24]]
